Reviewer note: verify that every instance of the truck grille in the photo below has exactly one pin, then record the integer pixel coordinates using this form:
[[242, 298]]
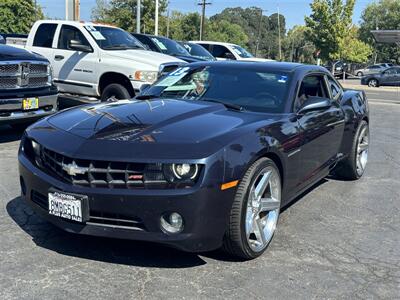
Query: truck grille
[[14, 75], [102, 174]]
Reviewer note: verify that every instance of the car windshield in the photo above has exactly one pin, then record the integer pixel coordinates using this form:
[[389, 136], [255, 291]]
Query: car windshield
[[198, 51], [111, 38], [169, 47], [242, 52], [252, 90]]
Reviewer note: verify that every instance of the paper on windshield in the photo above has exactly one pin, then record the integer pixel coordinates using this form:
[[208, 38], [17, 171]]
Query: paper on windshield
[[173, 77], [97, 35], [161, 45]]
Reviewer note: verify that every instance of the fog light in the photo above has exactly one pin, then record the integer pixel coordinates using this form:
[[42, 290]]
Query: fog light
[[172, 223]]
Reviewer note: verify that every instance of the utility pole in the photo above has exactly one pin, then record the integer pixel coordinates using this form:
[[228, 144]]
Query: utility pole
[[259, 32], [279, 36], [156, 20], [203, 4], [138, 16], [72, 10]]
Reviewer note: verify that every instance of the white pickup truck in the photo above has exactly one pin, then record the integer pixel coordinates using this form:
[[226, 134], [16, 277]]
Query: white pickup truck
[[97, 61]]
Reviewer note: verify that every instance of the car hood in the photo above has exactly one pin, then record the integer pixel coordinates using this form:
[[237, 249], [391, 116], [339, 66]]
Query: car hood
[[143, 56], [156, 121], [14, 53]]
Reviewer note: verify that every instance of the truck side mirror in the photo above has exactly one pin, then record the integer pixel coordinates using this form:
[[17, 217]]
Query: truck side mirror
[[78, 46]]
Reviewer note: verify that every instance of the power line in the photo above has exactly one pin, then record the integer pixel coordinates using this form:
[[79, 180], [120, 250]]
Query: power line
[[203, 4]]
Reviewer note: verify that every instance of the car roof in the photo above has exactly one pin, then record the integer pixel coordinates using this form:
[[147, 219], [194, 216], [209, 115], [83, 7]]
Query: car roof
[[212, 43], [272, 66], [74, 23]]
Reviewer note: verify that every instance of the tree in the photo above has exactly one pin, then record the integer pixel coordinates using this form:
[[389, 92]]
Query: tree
[[223, 31], [17, 16], [122, 13], [329, 23], [184, 27], [297, 47], [384, 15], [352, 49]]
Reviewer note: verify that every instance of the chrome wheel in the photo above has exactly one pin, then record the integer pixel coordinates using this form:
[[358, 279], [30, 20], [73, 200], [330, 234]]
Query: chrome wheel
[[263, 205], [373, 83], [362, 150]]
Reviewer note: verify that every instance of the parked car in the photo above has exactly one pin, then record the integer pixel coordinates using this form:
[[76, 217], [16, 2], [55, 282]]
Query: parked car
[[97, 61], [205, 158], [165, 45], [374, 69], [337, 68], [228, 51], [386, 65], [2, 40], [26, 89], [197, 51], [389, 76]]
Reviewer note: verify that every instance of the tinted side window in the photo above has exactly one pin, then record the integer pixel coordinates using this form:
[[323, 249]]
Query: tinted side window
[[336, 90], [146, 42], [207, 46], [219, 51], [68, 33], [311, 86], [44, 35]]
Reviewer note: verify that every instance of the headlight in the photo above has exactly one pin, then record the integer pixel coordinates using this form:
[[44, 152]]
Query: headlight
[[146, 76], [181, 172], [50, 74], [36, 148]]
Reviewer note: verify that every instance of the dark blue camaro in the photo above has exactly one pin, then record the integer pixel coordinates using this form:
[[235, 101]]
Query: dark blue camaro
[[206, 157]]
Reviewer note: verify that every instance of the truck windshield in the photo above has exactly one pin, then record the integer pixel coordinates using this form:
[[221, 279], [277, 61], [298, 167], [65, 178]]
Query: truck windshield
[[197, 51], [252, 90], [242, 52], [111, 38]]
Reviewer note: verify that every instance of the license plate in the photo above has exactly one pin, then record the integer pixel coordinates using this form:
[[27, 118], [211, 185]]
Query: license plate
[[30, 103], [68, 206]]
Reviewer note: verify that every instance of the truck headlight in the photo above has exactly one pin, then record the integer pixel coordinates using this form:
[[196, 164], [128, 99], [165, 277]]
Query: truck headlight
[[146, 76], [181, 172]]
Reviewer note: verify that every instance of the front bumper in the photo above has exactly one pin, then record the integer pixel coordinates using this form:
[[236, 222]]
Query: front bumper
[[205, 210], [11, 107]]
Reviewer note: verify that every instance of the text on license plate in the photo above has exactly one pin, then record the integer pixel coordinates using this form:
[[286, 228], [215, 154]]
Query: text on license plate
[[65, 206], [30, 103]]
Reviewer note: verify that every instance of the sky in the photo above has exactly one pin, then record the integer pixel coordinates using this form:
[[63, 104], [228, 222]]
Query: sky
[[293, 10]]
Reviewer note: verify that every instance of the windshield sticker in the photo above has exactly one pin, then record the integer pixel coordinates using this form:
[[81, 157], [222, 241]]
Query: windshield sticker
[[90, 28], [97, 35], [238, 52], [160, 44], [282, 79], [179, 71]]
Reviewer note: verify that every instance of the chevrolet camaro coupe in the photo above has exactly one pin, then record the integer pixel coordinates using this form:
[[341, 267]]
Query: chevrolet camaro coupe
[[204, 158]]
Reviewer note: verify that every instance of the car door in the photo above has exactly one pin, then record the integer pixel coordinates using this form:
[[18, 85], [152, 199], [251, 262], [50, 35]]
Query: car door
[[388, 77], [397, 77], [74, 71], [43, 40], [221, 52], [322, 130]]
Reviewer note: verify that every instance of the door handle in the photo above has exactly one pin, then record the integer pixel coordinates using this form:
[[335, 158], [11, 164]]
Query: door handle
[[58, 57]]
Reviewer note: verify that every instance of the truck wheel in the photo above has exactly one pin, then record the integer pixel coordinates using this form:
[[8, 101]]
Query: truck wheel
[[353, 167], [255, 211], [115, 91]]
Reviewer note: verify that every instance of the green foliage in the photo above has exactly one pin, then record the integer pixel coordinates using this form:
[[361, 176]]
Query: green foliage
[[183, 27], [122, 13], [384, 15], [352, 49], [17, 16], [329, 22], [224, 31], [297, 47], [260, 29]]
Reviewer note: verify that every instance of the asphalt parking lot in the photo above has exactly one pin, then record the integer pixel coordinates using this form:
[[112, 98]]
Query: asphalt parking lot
[[340, 240]]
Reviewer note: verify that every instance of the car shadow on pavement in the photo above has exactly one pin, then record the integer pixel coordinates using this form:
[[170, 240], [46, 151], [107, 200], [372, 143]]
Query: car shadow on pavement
[[124, 252], [9, 134]]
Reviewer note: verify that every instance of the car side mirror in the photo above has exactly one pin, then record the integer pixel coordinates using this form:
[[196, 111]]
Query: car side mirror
[[314, 103], [78, 46]]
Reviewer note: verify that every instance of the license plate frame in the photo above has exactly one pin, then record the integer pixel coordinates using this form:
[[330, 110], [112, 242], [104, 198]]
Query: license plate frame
[[68, 206], [30, 103]]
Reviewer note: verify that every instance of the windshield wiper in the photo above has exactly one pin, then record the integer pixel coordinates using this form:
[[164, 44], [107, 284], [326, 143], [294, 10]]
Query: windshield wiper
[[120, 47], [226, 104]]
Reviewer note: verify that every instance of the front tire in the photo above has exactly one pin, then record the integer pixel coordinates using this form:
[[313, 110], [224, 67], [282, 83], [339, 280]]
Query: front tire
[[353, 167], [360, 74], [114, 92], [255, 211], [373, 83]]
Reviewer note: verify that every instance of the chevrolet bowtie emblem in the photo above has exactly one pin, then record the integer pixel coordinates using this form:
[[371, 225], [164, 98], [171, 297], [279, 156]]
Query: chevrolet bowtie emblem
[[73, 169]]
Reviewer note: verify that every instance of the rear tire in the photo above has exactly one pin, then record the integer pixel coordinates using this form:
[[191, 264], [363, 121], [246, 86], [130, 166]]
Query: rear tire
[[373, 83], [115, 91], [255, 211], [353, 167], [360, 74]]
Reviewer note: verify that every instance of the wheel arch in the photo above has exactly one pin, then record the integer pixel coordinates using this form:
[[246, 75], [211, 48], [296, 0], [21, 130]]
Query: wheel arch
[[115, 77]]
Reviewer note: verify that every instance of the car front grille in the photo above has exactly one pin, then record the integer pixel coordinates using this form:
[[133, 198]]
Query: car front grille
[[103, 174], [15, 75]]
